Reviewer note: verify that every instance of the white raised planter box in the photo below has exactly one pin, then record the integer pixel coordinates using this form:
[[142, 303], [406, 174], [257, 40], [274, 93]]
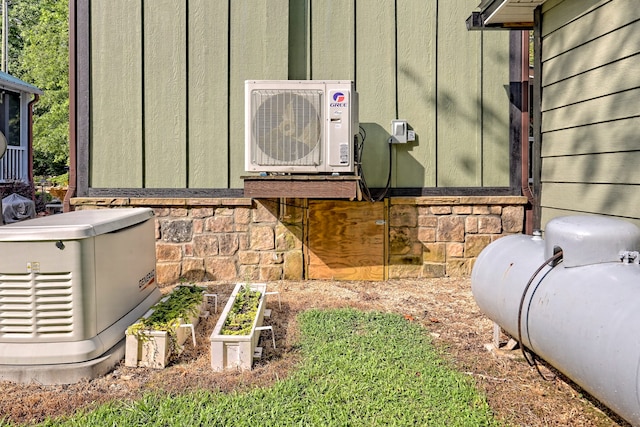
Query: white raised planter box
[[152, 349], [236, 351]]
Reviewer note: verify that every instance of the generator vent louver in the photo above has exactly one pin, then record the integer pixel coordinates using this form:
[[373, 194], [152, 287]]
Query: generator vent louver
[[36, 305]]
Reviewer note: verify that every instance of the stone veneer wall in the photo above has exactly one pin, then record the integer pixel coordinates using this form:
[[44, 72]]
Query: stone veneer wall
[[443, 236], [220, 239], [262, 240]]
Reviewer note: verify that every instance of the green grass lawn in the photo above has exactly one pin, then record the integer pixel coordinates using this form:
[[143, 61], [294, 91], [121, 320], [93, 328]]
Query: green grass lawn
[[358, 369]]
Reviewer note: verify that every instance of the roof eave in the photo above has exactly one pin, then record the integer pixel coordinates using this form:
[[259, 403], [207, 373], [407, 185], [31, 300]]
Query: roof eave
[[503, 14], [9, 82]]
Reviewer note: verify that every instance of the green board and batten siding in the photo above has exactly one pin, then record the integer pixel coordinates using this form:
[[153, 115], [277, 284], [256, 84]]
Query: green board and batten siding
[[590, 109], [416, 77], [208, 92], [258, 50], [167, 86], [458, 92], [116, 95], [376, 80], [165, 93]]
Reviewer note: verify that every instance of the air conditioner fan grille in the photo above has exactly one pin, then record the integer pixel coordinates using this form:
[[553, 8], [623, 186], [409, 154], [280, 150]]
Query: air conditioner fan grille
[[287, 127]]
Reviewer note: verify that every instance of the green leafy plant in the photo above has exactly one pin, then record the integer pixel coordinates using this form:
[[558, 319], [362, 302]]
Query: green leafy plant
[[182, 303], [243, 312], [62, 180]]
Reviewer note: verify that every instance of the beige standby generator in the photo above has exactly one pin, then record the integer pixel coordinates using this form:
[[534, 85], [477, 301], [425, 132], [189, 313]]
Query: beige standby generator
[[70, 285]]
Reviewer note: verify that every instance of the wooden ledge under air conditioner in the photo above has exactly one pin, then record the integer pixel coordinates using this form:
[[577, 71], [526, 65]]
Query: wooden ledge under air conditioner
[[302, 186]]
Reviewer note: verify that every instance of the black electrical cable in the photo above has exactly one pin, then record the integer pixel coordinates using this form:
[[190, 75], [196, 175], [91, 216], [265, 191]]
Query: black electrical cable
[[363, 182], [532, 361], [388, 185], [359, 172]]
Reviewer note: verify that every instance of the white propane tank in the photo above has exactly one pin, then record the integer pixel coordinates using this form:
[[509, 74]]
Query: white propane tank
[[580, 313]]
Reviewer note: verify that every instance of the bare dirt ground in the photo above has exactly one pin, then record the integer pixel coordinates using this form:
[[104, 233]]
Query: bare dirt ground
[[445, 307]]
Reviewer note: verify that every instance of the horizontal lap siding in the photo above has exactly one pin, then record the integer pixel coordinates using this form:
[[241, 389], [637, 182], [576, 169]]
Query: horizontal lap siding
[[168, 86], [590, 108], [614, 106], [550, 213], [592, 55], [591, 19], [599, 168], [594, 84], [594, 138], [603, 199]]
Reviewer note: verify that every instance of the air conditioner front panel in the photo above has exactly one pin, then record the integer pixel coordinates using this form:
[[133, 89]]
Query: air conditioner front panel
[[299, 126]]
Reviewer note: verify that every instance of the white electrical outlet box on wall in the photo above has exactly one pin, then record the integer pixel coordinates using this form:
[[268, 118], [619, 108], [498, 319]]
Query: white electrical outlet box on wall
[[399, 131]]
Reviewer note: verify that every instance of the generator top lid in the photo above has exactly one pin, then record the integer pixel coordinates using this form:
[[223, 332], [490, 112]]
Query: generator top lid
[[74, 225]]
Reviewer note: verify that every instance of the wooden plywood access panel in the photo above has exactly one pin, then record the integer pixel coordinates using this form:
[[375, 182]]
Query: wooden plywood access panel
[[346, 240]]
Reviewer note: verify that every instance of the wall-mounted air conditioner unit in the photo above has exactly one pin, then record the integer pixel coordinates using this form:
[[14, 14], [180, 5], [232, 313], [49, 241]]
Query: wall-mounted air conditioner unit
[[300, 126]]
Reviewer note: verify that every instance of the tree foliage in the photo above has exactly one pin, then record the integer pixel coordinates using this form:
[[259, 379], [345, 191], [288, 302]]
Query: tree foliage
[[39, 54]]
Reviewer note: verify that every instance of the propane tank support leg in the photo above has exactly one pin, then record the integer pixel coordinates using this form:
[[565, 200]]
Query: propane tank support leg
[[497, 330]]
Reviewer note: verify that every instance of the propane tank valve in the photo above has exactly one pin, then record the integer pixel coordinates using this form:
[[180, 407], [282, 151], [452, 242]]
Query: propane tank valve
[[630, 257]]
